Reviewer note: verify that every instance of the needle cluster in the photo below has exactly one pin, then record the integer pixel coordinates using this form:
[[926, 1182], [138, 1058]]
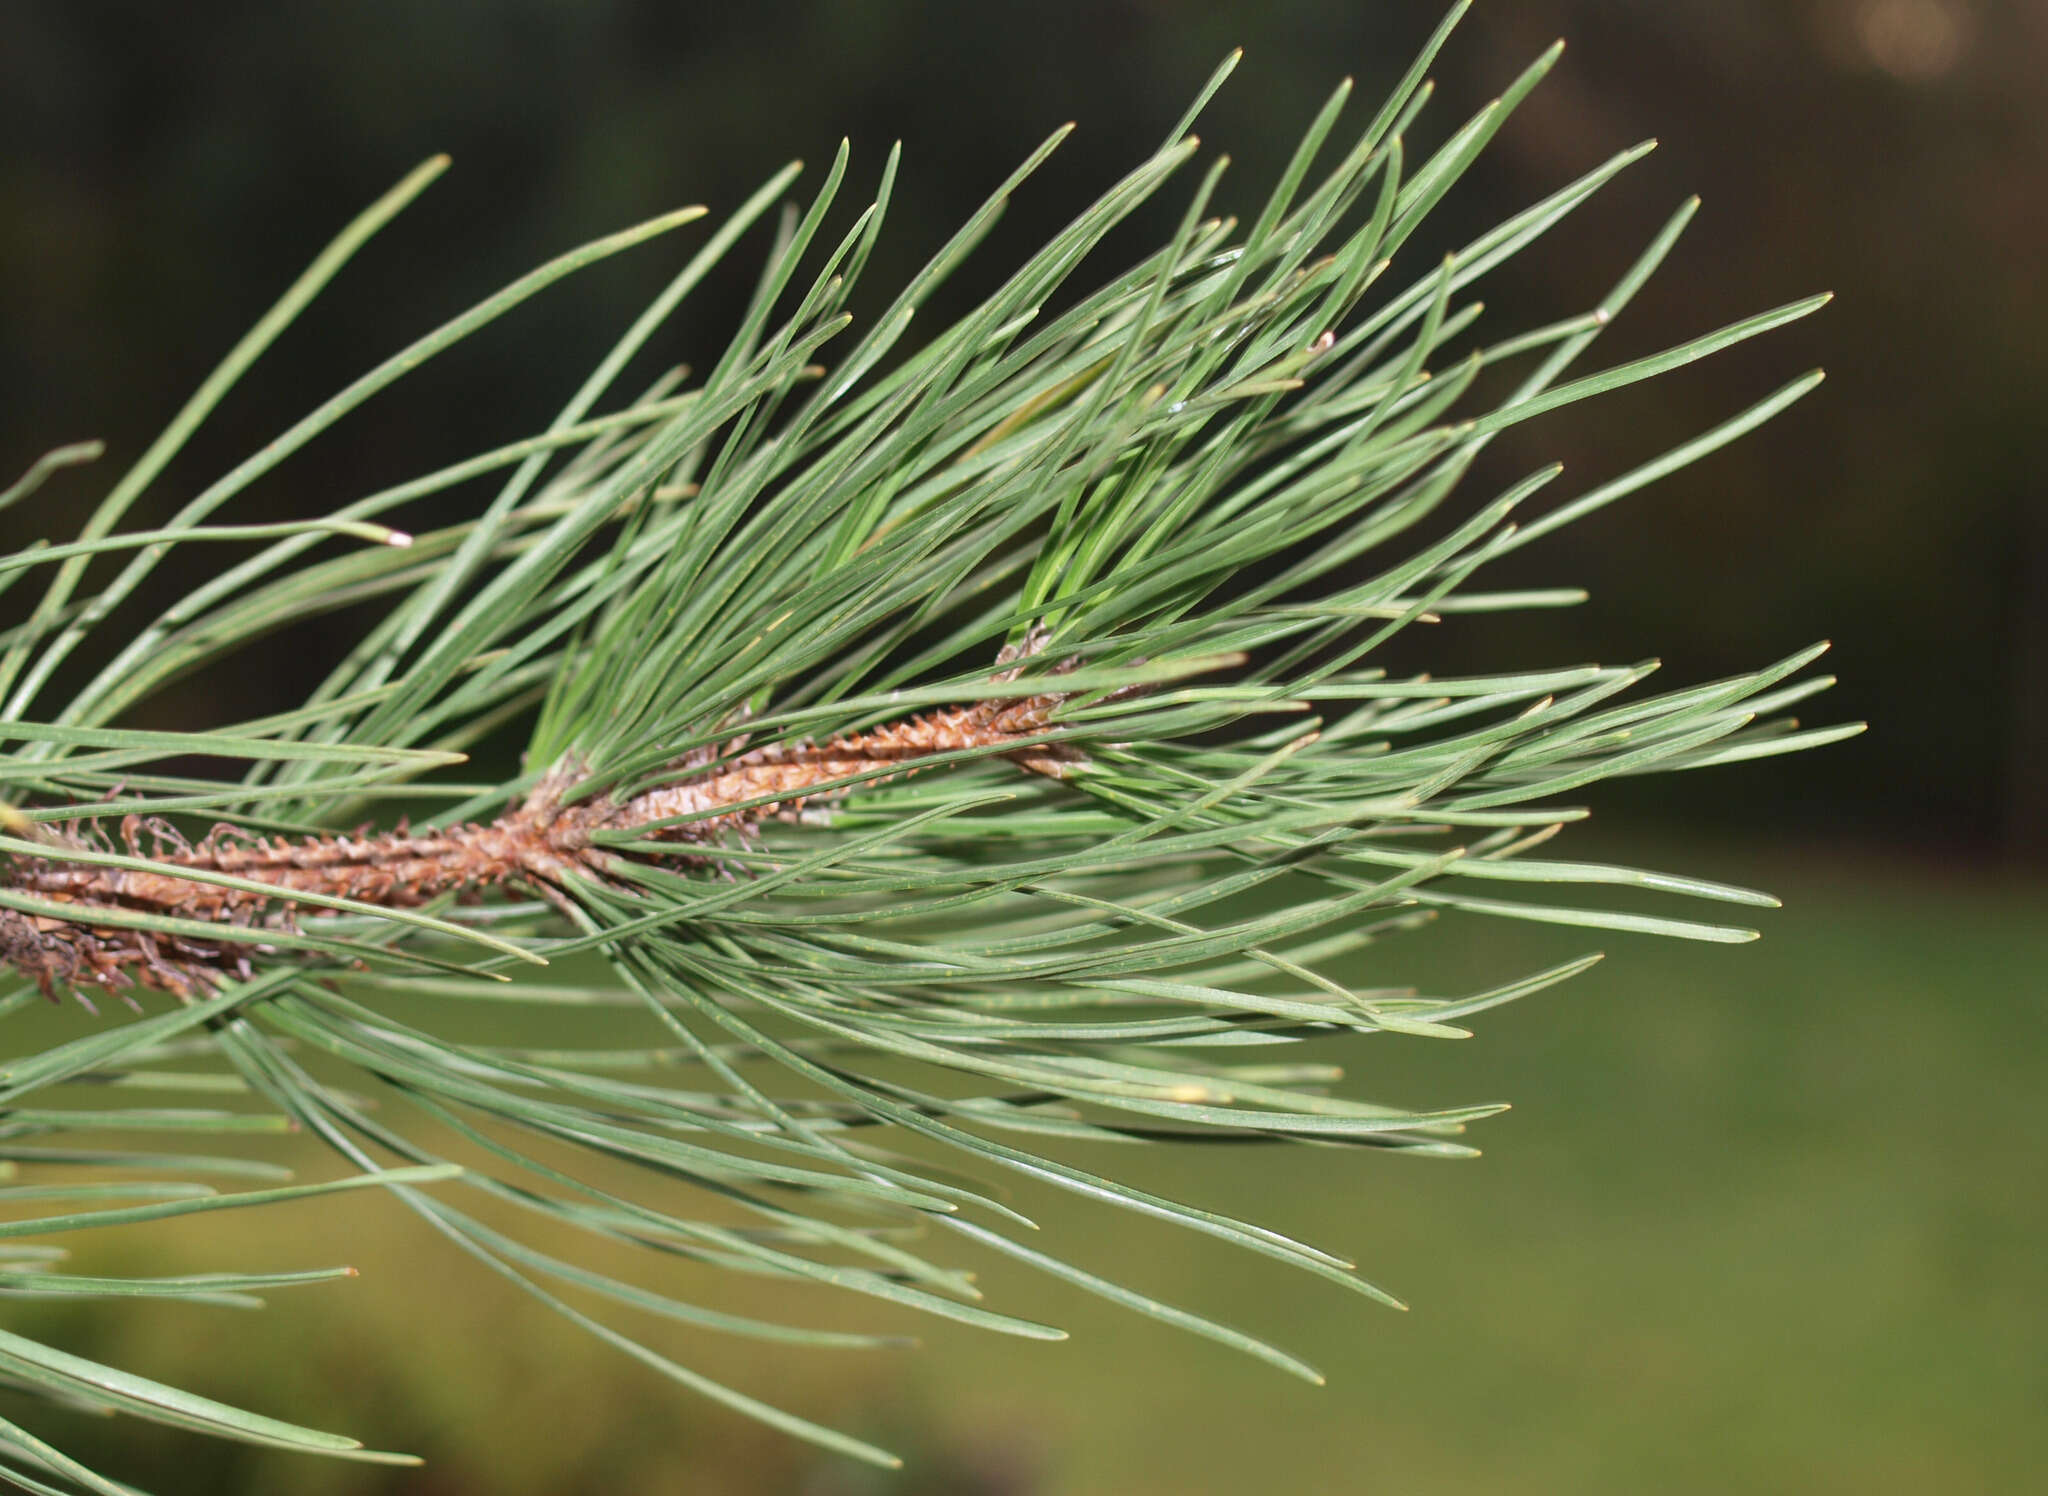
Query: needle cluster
[[984, 742]]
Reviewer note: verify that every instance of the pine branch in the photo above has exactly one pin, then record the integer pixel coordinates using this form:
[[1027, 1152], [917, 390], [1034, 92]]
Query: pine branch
[[975, 742]]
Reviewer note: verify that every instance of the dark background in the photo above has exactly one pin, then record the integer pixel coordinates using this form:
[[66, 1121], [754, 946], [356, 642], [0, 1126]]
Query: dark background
[[1759, 1221], [170, 168]]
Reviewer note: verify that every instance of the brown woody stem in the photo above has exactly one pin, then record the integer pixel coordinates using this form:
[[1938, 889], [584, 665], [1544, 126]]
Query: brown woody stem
[[538, 847]]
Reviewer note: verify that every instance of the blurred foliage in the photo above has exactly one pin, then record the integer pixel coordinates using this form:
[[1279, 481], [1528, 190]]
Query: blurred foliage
[[1808, 1264], [169, 168]]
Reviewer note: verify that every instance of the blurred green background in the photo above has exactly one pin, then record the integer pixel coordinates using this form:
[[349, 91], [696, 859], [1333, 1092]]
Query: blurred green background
[[1765, 1218]]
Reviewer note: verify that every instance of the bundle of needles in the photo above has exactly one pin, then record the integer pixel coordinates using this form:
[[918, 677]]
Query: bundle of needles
[[983, 742]]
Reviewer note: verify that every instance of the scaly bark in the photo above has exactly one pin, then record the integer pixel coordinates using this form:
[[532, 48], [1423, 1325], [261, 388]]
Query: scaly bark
[[540, 847]]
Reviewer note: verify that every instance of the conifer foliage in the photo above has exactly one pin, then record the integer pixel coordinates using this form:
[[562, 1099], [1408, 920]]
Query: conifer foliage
[[975, 739]]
